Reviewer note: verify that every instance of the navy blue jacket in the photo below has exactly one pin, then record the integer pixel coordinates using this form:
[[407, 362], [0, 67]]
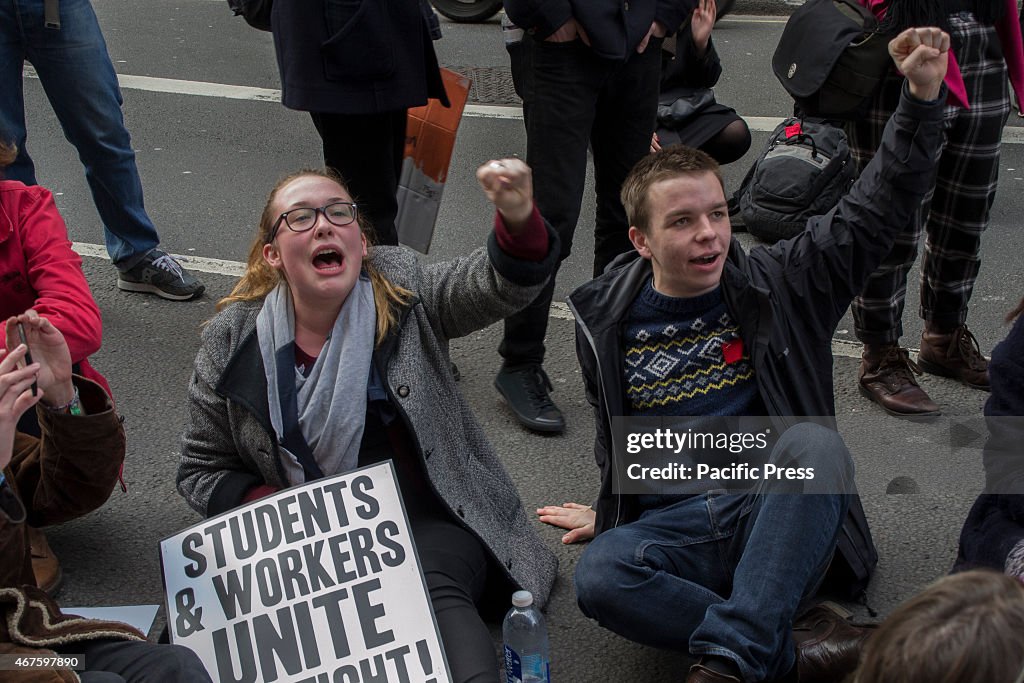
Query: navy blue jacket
[[787, 300], [355, 56], [615, 27], [995, 523]]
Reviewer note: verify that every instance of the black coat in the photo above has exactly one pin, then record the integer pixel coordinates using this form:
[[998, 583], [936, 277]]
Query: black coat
[[787, 300], [614, 27], [355, 56], [995, 523]]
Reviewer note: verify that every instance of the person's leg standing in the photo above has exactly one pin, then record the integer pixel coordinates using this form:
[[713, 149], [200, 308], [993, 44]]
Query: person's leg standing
[[886, 373], [964, 192], [560, 94], [79, 79], [621, 136], [367, 150], [75, 70], [12, 97]]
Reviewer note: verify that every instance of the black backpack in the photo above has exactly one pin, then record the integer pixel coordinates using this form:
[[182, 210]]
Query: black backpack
[[832, 58], [255, 12], [803, 171]]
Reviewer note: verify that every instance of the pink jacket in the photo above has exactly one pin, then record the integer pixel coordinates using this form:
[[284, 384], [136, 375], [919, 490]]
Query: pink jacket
[[39, 270], [1008, 30]]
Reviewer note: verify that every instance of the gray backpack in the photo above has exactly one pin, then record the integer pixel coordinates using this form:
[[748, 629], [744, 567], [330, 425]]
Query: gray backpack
[[803, 171]]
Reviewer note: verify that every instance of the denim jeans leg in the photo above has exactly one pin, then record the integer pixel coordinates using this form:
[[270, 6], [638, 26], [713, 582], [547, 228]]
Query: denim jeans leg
[[12, 98], [781, 550], [79, 80], [560, 94], [653, 580]]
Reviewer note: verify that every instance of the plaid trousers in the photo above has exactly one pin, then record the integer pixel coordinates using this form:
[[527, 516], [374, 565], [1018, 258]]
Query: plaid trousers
[[956, 211]]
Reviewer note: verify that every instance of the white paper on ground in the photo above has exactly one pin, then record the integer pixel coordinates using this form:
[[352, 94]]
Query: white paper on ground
[[139, 616]]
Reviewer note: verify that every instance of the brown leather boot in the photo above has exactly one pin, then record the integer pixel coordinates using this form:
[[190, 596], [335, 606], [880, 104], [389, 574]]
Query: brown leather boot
[[45, 565], [887, 378], [827, 645], [953, 354]]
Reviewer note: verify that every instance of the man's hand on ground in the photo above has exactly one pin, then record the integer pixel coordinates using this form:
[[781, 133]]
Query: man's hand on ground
[[579, 519], [922, 55]]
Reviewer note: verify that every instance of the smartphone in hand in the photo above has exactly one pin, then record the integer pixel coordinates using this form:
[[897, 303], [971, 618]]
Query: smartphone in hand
[[28, 355]]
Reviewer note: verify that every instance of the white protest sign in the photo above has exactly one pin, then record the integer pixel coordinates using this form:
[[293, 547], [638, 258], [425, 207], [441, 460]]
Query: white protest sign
[[318, 583]]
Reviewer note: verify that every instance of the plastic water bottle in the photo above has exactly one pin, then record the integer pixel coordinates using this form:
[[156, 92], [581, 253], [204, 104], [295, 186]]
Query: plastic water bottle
[[526, 642]]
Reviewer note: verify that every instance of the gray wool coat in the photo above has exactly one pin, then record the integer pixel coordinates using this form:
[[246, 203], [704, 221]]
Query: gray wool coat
[[228, 448]]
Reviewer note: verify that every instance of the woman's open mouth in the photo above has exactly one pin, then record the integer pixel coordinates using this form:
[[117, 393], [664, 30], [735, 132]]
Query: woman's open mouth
[[328, 260]]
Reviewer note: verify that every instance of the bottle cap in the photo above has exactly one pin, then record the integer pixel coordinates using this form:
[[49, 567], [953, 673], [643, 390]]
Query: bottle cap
[[522, 598]]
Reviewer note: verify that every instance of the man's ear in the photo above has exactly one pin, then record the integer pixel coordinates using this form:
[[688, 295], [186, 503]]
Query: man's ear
[[639, 240], [272, 256]]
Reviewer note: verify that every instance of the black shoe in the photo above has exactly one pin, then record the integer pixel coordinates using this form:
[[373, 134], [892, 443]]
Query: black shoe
[[159, 273], [525, 388]]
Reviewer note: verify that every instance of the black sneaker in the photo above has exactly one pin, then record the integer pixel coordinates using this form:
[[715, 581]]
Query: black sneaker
[[158, 273], [525, 388]]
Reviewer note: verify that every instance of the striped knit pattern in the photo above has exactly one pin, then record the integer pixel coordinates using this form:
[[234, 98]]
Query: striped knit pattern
[[674, 359]]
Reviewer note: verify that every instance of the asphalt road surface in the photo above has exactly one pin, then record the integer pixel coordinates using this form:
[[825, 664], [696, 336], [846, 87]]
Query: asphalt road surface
[[208, 154]]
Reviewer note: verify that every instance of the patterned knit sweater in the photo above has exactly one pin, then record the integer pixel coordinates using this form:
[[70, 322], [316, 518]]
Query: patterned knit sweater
[[685, 357]]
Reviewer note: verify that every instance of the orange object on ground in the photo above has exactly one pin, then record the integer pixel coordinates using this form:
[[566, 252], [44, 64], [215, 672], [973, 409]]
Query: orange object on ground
[[429, 142]]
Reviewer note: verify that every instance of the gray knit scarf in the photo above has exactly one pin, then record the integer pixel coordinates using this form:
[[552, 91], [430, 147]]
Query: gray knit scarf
[[326, 409]]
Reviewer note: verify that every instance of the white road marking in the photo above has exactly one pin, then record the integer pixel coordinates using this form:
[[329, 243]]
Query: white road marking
[[200, 264], [1012, 135], [215, 266], [751, 19]]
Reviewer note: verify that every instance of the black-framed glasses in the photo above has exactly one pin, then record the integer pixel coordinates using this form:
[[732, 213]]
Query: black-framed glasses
[[304, 218]]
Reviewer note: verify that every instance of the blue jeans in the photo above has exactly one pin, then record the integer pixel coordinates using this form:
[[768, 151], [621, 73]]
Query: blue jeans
[[718, 574], [79, 80]]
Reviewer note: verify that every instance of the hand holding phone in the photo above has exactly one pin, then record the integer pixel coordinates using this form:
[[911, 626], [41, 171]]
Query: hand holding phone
[[28, 356]]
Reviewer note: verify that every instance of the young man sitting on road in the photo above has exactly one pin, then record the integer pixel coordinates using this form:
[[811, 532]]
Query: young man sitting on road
[[691, 325]]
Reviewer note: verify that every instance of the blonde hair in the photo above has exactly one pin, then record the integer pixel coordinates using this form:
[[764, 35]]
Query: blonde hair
[[965, 628], [260, 279]]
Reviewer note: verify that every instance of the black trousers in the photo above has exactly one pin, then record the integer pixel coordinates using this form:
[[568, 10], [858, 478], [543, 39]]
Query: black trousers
[[129, 661], [573, 99], [455, 567], [367, 150]]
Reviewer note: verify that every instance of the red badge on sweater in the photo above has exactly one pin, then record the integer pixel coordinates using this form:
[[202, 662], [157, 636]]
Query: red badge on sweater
[[732, 351]]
